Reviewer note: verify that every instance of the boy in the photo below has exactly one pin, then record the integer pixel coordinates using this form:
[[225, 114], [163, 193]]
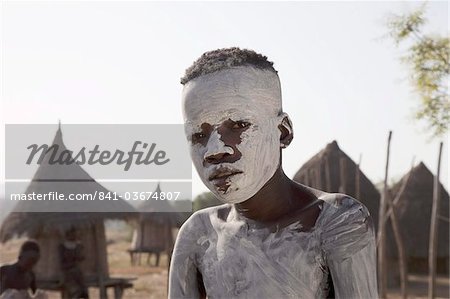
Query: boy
[[16, 279], [273, 237]]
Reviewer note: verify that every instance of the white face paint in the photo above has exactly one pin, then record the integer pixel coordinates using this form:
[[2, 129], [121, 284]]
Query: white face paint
[[231, 119]]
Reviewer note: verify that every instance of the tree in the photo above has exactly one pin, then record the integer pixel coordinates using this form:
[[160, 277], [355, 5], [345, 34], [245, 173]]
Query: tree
[[428, 58]]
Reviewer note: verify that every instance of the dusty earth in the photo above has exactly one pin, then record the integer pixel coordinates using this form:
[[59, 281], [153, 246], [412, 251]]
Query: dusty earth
[[151, 282]]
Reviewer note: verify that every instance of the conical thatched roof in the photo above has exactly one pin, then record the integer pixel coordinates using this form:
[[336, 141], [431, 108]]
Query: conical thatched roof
[[414, 214], [33, 218], [323, 171]]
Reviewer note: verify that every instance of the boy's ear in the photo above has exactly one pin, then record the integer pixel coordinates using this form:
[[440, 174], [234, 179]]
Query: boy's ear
[[287, 132]]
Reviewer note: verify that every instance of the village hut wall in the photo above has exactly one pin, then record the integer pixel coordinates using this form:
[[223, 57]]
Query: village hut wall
[[332, 170], [95, 253], [414, 214], [152, 235]]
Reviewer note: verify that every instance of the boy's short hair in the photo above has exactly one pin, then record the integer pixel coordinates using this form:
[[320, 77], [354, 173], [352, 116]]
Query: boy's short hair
[[29, 246], [220, 59]]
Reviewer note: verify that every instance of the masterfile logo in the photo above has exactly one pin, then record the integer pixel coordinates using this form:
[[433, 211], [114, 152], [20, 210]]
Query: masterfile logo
[[98, 168], [105, 151]]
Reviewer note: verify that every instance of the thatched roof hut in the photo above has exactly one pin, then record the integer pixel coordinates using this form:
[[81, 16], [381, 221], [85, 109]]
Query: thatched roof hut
[[413, 210], [44, 221], [332, 170], [154, 231]]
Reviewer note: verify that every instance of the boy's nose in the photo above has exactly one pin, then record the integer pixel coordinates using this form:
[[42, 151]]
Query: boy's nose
[[217, 150]]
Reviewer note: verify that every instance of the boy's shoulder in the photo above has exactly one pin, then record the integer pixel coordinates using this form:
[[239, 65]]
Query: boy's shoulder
[[345, 224], [333, 205], [200, 221], [335, 202], [340, 202], [6, 267]]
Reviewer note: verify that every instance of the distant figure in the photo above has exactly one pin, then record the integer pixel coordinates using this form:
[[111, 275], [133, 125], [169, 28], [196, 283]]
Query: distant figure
[[18, 278], [71, 255]]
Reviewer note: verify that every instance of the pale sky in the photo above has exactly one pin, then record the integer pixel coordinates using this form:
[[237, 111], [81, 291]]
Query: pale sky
[[120, 62]]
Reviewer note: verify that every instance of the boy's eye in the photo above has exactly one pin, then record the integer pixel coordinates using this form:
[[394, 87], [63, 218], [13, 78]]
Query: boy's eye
[[197, 137], [240, 125]]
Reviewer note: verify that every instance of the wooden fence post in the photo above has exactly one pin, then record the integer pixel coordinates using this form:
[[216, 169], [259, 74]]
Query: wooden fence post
[[382, 273], [434, 230], [402, 260]]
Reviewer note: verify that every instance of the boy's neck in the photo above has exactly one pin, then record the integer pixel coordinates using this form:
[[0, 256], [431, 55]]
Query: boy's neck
[[272, 202]]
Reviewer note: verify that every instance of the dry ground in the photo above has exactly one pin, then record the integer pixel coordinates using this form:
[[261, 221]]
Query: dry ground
[[151, 282]]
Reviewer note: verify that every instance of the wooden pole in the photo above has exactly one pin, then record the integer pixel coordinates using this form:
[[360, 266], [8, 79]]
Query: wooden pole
[[382, 273], [393, 215], [358, 179], [434, 229], [400, 192], [400, 248], [102, 266], [141, 239]]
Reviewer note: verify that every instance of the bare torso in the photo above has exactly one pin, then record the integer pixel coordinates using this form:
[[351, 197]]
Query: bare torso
[[235, 257], [14, 277]]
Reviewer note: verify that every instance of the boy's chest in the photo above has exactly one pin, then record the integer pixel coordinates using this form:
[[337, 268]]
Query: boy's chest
[[241, 261], [14, 278]]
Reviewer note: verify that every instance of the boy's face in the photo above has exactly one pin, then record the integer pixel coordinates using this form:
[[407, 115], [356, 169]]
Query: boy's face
[[231, 120]]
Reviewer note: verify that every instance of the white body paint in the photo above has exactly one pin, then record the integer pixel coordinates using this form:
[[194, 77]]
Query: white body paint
[[240, 93], [238, 258]]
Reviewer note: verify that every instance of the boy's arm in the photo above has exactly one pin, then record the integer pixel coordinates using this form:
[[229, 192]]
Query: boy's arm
[[185, 280], [350, 249], [355, 277]]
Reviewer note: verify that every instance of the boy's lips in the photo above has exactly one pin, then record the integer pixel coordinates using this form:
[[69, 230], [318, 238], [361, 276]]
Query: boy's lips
[[223, 173]]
